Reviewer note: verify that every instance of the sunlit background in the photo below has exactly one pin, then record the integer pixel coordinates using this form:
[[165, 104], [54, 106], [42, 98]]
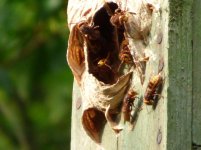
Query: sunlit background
[[35, 80]]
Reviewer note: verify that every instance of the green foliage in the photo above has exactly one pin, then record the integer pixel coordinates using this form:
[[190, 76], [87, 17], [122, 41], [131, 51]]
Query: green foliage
[[35, 81]]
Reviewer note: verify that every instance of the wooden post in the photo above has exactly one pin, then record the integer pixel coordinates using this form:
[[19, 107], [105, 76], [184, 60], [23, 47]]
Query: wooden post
[[196, 120], [175, 123], [179, 92]]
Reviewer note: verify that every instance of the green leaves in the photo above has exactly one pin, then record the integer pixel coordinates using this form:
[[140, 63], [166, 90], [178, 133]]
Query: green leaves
[[35, 81]]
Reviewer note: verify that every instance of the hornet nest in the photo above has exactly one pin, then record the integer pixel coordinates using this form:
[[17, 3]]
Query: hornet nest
[[101, 60]]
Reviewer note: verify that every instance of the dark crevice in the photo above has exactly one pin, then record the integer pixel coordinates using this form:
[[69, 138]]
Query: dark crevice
[[102, 19], [103, 50]]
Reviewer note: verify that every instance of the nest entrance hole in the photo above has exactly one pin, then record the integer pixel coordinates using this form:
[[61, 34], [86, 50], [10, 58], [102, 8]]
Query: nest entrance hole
[[103, 52]]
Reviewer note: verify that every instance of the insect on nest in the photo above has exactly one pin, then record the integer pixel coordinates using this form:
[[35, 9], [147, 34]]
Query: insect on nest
[[98, 52], [128, 104], [153, 89]]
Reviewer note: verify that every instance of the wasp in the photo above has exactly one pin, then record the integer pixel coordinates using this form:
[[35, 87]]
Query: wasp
[[152, 89], [104, 62], [92, 35], [118, 18], [126, 57], [103, 69], [125, 54], [128, 103], [86, 31], [90, 32]]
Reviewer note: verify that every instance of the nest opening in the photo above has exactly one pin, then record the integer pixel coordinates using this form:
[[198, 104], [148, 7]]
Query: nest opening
[[103, 51]]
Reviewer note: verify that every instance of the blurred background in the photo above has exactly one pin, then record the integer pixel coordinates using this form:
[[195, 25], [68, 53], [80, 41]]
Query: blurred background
[[35, 80]]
